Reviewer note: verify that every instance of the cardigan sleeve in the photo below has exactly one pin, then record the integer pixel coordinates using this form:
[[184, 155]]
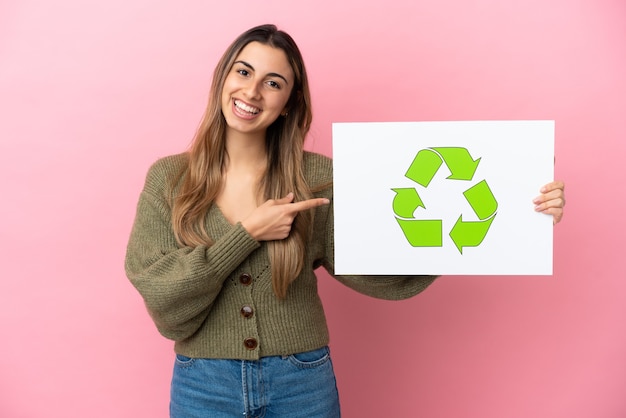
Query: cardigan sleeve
[[179, 284]]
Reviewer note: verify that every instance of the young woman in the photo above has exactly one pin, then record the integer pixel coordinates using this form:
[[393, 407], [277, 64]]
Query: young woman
[[227, 237]]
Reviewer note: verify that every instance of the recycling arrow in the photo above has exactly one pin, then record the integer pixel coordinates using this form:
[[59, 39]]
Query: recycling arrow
[[484, 205], [428, 232], [406, 202], [481, 200], [426, 163], [424, 167], [459, 161], [469, 233], [422, 233]]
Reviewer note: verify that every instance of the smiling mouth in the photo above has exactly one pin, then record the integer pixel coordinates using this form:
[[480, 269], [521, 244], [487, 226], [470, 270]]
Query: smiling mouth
[[250, 110]]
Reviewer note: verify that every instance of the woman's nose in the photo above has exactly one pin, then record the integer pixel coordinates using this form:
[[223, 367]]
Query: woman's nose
[[252, 90]]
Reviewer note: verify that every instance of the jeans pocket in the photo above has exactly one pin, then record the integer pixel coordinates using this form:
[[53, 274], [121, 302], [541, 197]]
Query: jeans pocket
[[310, 359], [184, 361]]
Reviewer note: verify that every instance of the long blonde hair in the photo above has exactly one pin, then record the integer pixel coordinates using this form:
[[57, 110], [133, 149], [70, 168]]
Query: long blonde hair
[[202, 180]]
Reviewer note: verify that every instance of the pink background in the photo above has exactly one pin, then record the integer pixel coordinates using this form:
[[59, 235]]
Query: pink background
[[92, 92]]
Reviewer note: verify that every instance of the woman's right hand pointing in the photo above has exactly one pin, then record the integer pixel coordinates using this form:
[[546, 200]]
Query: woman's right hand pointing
[[272, 220]]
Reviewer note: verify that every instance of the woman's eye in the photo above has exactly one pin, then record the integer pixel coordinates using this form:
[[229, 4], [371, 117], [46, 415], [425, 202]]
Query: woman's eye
[[243, 72], [273, 84]]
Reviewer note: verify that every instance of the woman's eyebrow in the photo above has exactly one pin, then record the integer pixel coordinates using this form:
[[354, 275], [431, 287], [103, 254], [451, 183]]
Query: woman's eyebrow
[[269, 74]]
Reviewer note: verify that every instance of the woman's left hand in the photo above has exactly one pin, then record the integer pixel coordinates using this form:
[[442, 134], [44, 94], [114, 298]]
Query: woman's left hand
[[551, 200]]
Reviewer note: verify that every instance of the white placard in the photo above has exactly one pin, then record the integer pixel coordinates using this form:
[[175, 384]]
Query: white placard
[[451, 198]]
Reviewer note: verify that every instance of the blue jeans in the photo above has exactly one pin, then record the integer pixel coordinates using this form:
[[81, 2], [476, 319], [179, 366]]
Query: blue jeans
[[299, 385]]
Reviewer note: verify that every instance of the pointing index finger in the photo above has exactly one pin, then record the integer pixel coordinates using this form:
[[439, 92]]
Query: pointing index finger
[[308, 204]]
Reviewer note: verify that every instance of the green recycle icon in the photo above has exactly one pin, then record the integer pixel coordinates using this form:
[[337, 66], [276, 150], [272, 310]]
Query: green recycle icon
[[429, 232]]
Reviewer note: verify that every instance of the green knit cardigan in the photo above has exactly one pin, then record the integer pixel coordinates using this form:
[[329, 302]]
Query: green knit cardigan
[[217, 301]]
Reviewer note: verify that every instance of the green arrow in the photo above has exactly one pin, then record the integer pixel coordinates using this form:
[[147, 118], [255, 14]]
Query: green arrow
[[469, 234], [424, 167], [422, 233], [459, 161], [406, 202], [481, 199]]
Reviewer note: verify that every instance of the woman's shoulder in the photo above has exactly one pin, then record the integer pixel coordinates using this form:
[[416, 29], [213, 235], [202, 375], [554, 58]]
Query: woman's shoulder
[[171, 162], [165, 171], [318, 168]]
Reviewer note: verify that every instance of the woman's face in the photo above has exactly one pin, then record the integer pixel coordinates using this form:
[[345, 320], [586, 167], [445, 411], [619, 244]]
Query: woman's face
[[256, 89]]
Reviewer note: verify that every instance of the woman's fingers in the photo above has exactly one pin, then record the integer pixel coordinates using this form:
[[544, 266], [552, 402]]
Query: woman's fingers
[[273, 219], [552, 200]]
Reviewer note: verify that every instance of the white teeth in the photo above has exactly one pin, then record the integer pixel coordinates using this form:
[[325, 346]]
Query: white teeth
[[246, 108]]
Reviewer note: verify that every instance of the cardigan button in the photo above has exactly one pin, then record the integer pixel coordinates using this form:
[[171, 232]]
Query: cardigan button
[[250, 343], [246, 311], [245, 279]]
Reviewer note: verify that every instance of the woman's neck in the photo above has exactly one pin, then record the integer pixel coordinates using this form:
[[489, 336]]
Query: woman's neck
[[246, 151]]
